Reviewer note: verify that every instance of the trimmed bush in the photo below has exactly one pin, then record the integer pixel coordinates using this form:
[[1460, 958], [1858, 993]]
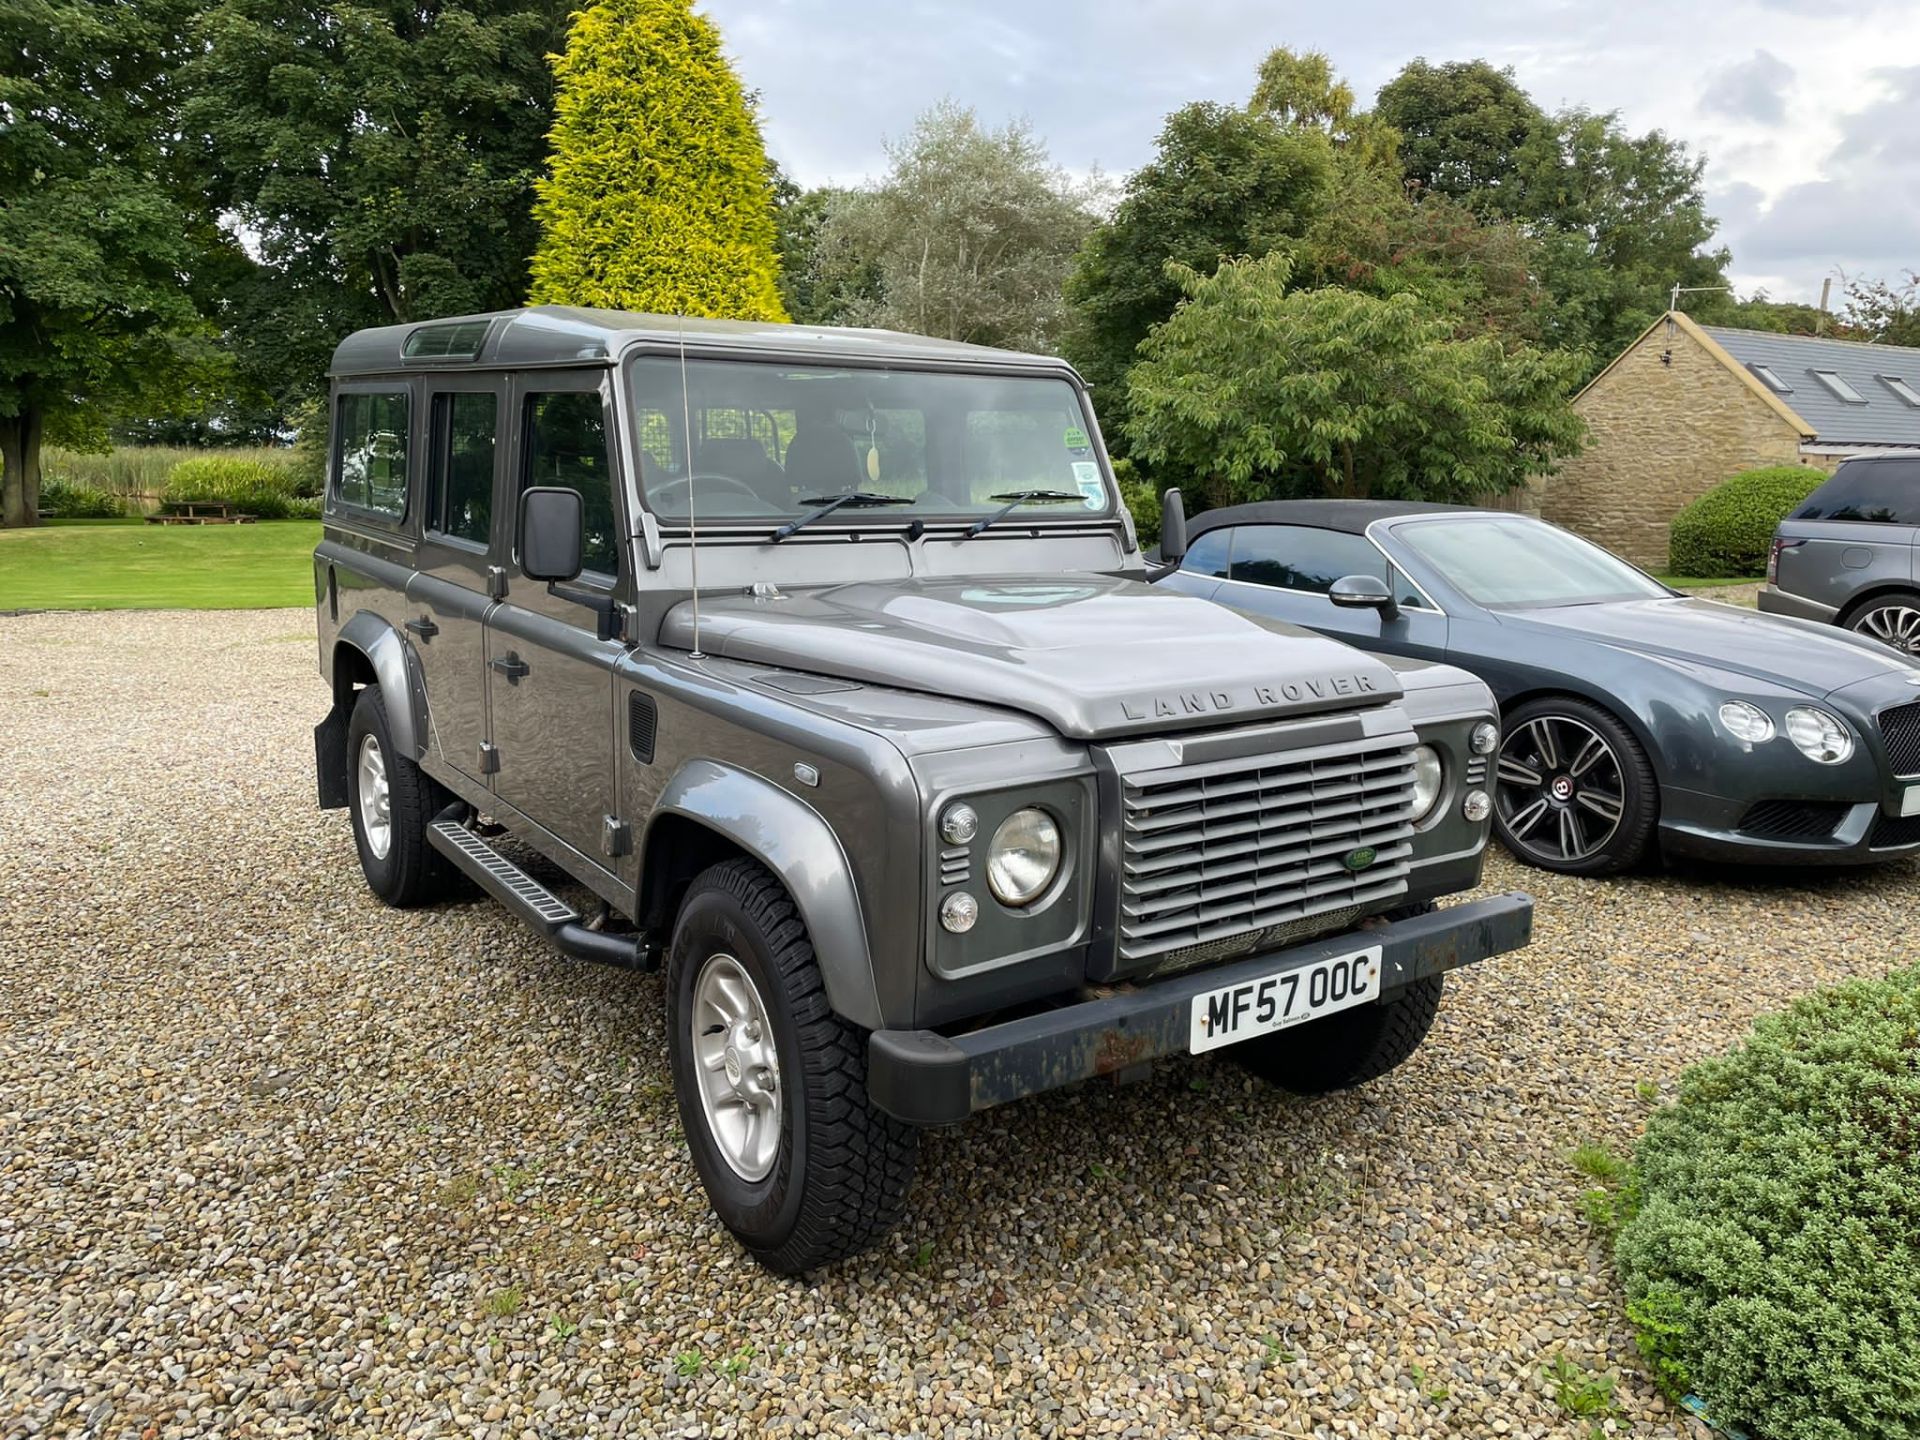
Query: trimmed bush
[[1729, 530], [1771, 1250], [64, 501], [248, 485]]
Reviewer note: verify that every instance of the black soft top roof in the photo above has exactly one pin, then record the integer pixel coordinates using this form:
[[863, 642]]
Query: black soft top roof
[[1352, 516]]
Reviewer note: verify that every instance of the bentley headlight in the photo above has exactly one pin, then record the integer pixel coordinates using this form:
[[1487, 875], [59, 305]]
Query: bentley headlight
[[1818, 736], [1746, 722], [1427, 775], [1024, 857]]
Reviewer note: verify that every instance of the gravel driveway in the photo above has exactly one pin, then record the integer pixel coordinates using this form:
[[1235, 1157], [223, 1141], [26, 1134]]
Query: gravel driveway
[[277, 1161]]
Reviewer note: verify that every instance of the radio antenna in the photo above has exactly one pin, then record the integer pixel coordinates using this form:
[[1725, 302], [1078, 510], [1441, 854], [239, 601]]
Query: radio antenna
[[693, 510]]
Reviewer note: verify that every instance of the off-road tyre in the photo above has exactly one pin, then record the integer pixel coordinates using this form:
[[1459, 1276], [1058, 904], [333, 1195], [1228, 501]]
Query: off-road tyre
[[412, 872], [840, 1179], [1637, 790], [1349, 1048]]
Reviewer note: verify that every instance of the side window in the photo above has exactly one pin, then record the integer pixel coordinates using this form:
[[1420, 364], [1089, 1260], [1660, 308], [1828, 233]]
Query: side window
[[370, 438], [1876, 492], [1208, 554], [1295, 557], [567, 446], [464, 429]]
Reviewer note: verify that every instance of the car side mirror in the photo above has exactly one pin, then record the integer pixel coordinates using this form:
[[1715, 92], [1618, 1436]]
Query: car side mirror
[[1173, 527], [551, 522], [1365, 592]]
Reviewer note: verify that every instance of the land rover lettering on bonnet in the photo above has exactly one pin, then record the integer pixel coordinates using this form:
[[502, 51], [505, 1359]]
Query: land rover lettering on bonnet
[[815, 670]]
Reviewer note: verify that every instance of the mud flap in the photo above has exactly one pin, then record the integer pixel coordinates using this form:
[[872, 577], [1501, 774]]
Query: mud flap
[[330, 760]]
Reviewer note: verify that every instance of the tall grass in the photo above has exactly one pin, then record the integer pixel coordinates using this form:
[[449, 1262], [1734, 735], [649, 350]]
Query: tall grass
[[138, 473]]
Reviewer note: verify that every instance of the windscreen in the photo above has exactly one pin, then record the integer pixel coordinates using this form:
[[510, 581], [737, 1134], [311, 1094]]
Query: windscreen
[[1504, 563], [774, 441]]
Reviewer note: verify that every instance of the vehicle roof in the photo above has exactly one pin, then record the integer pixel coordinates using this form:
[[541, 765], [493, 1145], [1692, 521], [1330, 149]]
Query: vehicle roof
[[1352, 516], [564, 335]]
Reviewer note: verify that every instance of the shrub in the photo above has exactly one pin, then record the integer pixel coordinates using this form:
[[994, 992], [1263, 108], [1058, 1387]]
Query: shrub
[[65, 501], [1142, 499], [248, 485], [1729, 530], [1771, 1250]]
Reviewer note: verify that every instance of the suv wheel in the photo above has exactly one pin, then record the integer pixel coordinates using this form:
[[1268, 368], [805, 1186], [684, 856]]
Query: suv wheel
[[392, 803], [1573, 791], [1892, 620], [1346, 1049], [772, 1085]]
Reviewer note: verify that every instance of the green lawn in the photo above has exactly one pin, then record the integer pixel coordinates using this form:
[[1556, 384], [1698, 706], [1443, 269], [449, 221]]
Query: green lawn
[[1695, 582], [128, 565]]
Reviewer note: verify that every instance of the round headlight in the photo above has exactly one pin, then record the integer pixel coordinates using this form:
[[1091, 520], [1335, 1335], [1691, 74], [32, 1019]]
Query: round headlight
[[1485, 736], [1818, 736], [959, 824], [1024, 856], [1746, 722], [1427, 774]]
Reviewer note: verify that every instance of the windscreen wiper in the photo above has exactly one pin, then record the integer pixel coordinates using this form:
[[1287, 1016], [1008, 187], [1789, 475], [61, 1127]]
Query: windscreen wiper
[[1015, 499], [829, 504]]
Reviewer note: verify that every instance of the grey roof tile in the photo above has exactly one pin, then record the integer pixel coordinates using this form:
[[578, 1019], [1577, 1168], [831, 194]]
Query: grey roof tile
[[1884, 418]]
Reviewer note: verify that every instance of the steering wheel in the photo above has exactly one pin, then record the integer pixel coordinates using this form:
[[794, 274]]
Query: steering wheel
[[742, 486]]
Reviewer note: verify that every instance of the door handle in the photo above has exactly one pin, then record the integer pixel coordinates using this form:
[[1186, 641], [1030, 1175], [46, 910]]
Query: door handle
[[513, 667], [424, 627]]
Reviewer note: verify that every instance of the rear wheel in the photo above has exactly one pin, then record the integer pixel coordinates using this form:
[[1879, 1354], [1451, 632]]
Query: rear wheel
[[1573, 791], [1892, 620], [392, 802], [1349, 1048], [772, 1085]]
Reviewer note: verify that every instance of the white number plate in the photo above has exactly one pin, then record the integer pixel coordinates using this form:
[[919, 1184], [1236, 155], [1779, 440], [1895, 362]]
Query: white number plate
[[1273, 1002], [1910, 801]]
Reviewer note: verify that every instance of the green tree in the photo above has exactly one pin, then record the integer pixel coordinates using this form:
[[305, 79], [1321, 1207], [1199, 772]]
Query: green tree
[[380, 155], [1223, 182], [1462, 126], [1301, 90], [1252, 390], [658, 198], [1884, 312], [100, 260], [969, 236]]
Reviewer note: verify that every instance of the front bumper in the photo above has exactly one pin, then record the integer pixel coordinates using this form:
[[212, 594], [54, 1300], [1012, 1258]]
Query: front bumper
[[926, 1078], [1708, 827], [1776, 601]]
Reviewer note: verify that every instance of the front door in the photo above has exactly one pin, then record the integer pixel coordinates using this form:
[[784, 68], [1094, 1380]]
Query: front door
[[550, 681], [448, 596]]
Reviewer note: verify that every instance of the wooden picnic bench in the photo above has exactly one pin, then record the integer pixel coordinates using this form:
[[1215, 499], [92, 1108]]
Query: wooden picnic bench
[[199, 512]]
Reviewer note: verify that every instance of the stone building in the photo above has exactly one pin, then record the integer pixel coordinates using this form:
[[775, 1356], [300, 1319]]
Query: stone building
[[1686, 405]]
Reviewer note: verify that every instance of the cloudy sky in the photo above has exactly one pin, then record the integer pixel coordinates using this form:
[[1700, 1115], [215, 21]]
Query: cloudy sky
[[1808, 110]]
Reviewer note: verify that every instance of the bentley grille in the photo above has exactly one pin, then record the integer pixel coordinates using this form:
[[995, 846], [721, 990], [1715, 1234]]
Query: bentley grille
[[1900, 727], [1223, 856]]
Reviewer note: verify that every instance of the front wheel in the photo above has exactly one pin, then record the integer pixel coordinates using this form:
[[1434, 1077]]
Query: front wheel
[[1892, 620], [1573, 791], [1349, 1048], [772, 1085]]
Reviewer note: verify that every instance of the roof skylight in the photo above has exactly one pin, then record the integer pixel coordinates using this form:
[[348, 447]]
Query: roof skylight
[[1772, 381], [1838, 386], [1902, 389]]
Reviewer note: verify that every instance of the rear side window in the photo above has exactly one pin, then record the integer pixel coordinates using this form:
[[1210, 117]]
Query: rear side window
[[370, 433], [567, 447], [464, 427], [1875, 492], [1208, 554], [1294, 557]]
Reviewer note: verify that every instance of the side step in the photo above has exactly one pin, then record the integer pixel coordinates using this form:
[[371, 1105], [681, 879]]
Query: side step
[[526, 897]]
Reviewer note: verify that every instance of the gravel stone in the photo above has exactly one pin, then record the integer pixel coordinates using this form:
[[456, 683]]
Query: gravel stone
[[278, 1161]]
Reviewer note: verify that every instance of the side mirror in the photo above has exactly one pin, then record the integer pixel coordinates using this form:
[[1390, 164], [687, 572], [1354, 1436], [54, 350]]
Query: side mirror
[[1365, 592], [551, 522], [1173, 527]]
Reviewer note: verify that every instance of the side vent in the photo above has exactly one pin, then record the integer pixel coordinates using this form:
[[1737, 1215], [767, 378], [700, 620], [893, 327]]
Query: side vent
[[641, 719]]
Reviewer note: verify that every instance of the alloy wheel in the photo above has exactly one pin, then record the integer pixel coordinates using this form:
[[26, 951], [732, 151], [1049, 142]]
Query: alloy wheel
[[1558, 790], [375, 798], [738, 1065], [1895, 625]]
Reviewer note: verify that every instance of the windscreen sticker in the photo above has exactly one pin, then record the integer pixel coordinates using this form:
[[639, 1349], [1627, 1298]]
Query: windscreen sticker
[[1086, 476], [1076, 439]]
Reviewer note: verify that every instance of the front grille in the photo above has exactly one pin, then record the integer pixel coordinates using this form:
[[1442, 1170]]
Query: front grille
[[1244, 849], [1893, 831], [1900, 727], [1794, 819]]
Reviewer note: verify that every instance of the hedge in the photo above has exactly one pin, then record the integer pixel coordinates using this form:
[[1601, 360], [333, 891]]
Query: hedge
[[64, 501], [1729, 530], [249, 485], [1771, 1254]]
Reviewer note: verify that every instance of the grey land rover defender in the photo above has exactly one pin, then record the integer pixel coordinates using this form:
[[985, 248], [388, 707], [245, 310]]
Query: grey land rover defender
[[816, 666]]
